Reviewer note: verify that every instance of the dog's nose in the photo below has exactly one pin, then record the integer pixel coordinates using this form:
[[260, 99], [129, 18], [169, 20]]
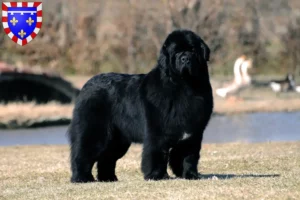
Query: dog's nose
[[185, 60]]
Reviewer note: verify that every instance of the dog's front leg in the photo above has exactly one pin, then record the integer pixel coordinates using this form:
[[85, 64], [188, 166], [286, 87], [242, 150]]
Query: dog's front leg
[[154, 161], [191, 159], [184, 158], [190, 163]]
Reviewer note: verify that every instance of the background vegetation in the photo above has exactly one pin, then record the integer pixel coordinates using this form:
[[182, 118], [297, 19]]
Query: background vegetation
[[92, 36]]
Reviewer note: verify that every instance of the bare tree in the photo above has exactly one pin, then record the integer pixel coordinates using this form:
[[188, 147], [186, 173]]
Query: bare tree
[[292, 45]]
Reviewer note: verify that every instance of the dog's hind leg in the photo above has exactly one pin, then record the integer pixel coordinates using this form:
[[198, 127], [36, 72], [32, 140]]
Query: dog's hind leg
[[88, 137], [86, 146], [81, 166], [83, 157], [116, 148]]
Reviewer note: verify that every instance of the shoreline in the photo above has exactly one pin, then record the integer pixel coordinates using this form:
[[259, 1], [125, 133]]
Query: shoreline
[[63, 120], [13, 125], [254, 100]]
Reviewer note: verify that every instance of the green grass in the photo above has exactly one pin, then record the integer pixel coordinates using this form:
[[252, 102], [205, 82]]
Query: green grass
[[253, 171]]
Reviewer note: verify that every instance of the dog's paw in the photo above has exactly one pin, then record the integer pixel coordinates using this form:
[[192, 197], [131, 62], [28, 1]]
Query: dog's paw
[[155, 176], [190, 175], [82, 179], [107, 178]]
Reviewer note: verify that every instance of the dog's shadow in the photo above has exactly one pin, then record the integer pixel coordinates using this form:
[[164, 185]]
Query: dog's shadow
[[230, 176]]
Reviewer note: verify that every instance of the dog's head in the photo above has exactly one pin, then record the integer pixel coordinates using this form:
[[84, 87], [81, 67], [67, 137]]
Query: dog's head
[[184, 54]]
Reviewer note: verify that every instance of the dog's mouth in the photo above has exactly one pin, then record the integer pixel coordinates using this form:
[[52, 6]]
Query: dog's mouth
[[185, 72]]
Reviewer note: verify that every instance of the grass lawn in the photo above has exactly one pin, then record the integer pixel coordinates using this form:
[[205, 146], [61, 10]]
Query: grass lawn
[[230, 171]]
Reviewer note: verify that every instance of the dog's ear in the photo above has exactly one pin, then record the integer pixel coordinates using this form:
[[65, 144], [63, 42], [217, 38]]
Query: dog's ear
[[205, 51], [162, 59], [163, 49]]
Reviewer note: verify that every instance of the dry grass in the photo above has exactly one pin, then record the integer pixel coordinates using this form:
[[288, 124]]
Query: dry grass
[[19, 113], [275, 105], [242, 171]]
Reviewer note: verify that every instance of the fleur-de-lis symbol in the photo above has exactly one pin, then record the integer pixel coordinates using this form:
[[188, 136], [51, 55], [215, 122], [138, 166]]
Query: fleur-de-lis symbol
[[29, 21], [22, 33], [14, 21]]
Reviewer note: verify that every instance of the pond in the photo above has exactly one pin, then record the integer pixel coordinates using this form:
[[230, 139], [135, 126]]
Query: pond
[[254, 127]]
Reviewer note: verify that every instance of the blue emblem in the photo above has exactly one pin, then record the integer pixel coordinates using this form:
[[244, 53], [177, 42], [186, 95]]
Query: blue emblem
[[22, 21]]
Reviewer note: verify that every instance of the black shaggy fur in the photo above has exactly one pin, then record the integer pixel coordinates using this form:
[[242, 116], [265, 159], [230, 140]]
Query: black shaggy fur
[[167, 110]]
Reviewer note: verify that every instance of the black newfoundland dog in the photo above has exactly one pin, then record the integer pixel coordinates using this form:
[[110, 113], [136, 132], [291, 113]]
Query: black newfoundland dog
[[167, 110]]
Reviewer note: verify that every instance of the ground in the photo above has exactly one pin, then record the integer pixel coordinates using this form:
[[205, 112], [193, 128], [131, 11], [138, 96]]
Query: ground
[[230, 171], [19, 115]]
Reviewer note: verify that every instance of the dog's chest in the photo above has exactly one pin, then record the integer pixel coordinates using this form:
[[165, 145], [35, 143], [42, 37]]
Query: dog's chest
[[185, 136], [189, 113]]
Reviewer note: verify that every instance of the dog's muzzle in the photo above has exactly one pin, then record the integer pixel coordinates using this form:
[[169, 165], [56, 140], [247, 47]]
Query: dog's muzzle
[[185, 62]]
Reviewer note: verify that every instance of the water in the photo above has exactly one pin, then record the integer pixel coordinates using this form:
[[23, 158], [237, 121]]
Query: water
[[256, 127], [49, 135]]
